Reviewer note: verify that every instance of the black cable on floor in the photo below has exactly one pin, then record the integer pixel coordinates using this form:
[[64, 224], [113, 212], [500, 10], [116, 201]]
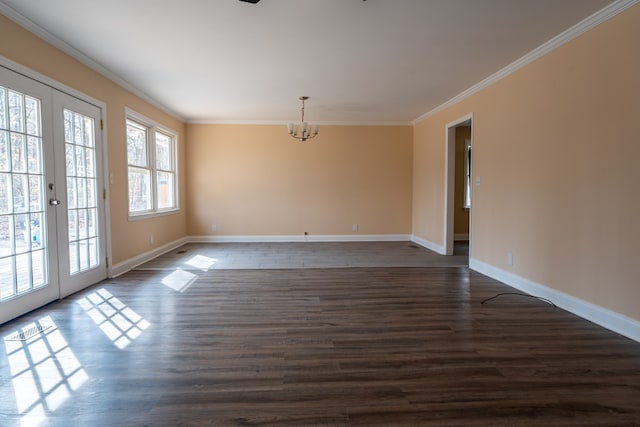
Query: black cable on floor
[[519, 294]]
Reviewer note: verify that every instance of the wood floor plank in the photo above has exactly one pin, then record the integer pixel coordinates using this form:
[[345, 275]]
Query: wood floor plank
[[306, 347]]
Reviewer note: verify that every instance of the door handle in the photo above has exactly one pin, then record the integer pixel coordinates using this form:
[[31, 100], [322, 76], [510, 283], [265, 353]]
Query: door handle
[[54, 202]]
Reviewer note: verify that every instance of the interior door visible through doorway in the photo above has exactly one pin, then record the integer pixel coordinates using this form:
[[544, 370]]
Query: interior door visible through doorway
[[52, 240]]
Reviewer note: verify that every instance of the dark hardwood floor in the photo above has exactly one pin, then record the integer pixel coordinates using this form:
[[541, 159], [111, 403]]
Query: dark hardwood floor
[[316, 346]]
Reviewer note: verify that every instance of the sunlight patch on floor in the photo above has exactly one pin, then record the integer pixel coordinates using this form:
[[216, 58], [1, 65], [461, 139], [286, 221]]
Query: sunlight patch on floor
[[44, 371], [117, 321], [201, 262], [179, 280]]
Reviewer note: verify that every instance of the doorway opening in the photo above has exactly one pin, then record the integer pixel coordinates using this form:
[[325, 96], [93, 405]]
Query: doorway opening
[[458, 186]]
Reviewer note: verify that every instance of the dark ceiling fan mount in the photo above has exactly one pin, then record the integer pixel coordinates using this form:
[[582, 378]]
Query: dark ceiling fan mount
[[256, 1]]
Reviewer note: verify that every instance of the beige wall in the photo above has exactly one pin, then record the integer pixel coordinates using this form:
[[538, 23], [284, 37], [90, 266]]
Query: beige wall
[[128, 238], [257, 180], [461, 214], [562, 196]]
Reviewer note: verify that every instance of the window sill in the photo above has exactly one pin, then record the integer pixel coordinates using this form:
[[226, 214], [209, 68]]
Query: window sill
[[149, 215]]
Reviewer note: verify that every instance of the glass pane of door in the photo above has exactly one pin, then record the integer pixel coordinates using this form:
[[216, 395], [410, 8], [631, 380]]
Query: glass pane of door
[[23, 221], [82, 197]]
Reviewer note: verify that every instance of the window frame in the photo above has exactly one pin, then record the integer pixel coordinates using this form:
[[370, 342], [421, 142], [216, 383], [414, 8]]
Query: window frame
[[152, 128]]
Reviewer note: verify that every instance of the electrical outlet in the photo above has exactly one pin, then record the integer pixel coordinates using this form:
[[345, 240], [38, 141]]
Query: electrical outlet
[[214, 228], [354, 228], [509, 258], [152, 239]]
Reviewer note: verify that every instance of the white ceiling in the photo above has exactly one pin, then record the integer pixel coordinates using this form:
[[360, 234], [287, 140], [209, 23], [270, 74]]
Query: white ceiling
[[375, 61]]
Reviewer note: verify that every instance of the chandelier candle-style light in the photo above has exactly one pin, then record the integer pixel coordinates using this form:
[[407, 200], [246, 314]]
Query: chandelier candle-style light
[[302, 131]]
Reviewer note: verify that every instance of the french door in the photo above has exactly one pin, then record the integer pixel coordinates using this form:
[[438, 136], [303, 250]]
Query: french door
[[52, 240], [77, 195]]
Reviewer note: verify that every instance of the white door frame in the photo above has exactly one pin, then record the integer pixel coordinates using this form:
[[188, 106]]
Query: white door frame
[[450, 181]]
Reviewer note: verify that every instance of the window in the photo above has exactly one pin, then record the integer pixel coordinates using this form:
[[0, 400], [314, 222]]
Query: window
[[151, 160]]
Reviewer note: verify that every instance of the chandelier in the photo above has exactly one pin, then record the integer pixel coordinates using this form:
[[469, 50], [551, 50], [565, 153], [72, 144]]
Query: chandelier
[[302, 131]]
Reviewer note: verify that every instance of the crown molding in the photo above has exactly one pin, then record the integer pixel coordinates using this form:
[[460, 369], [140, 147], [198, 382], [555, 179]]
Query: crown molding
[[284, 123], [585, 25], [34, 28]]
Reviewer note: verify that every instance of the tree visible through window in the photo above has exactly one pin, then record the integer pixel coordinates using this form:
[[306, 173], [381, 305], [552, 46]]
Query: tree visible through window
[[151, 159], [165, 176]]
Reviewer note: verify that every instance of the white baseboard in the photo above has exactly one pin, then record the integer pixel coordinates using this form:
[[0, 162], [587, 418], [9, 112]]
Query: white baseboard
[[427, 244], [606, 318], [298, 238], [458, 237], [130, 264]]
